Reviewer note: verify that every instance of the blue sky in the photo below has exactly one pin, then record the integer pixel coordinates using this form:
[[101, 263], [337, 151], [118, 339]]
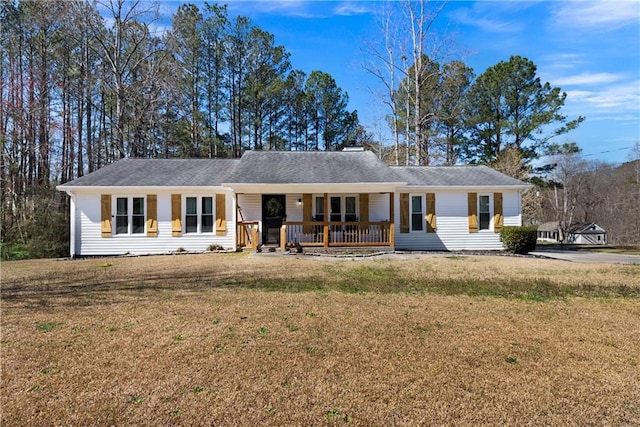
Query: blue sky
[[590, 49]]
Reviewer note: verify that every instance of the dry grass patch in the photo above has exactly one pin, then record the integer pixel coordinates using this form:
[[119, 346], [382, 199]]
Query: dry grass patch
[[245, 340]]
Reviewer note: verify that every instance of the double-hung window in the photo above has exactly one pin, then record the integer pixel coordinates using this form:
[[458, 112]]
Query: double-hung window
[[350, 209], [198, 217], [319, 208], [343, 208], [130, 216], [335, 204], [416, 213], [484, 212]]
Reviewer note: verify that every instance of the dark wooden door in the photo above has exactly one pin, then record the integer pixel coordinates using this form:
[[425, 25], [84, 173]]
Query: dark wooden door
[[273, 213]]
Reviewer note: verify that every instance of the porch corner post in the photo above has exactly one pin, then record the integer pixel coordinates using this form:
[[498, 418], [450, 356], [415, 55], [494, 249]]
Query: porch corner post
[[392, 225], [326, 220], [255, 235], [283, 236]]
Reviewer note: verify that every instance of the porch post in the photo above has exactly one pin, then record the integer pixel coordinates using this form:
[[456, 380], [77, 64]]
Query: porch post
[[283, 237], [255, 235], [392, 226], [326, 220]]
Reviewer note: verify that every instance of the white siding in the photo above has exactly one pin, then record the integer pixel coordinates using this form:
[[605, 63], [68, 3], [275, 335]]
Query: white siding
[[89, 241], [251, 207], [378, 207], [452, 231], [294, 212]]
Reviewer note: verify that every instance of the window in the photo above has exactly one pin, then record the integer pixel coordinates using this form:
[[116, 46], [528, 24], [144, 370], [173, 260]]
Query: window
[[336, 209], [416, 213], [191, 215], [320, 208], [207, 214], [198, 216], [342, 208], [484, 213], [137, 217], [350, 209], [122, 215], [126, 216]]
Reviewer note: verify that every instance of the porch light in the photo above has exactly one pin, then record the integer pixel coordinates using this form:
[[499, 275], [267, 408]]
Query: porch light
[[299, 202]]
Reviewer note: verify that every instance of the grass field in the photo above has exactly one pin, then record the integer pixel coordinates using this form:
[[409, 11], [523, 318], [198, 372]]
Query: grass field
[[233, 339]]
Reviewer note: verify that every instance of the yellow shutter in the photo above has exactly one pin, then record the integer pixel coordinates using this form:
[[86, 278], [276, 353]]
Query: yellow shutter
[[152, 215], [498, 218], [307, 212], [364, 207], [364, 213], [404, 212], [431, 212], [221, 215], [176, 215], [472, 201], [105, 215]]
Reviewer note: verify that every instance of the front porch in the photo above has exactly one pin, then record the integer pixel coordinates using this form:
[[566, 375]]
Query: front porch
[[296, 234], [351, 220]]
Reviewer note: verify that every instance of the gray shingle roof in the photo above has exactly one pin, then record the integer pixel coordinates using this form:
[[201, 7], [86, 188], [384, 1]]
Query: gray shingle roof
[[159, 172], [311, 167], [445, 176], [285, 167]]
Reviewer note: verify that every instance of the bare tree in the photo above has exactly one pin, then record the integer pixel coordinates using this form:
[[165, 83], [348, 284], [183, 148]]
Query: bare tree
[[123, 49], [566, 180], [381, 61], [410, 46]]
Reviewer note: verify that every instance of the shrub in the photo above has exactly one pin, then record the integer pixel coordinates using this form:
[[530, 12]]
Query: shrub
[[519, 240]]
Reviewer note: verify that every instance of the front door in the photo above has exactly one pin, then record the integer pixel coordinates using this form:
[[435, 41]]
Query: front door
[[273, 213]]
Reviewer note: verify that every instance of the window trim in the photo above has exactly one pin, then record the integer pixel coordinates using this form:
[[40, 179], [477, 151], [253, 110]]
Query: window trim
[[317, 205], [199, 215], [130, 215], [422, 213], [343, 206], [490, 212]]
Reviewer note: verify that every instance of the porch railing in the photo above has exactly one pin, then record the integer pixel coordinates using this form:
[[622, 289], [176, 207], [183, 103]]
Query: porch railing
[[336, 234], [247, 234]]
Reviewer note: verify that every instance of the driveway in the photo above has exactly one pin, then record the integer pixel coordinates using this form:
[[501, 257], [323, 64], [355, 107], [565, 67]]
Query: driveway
[[586, 256]]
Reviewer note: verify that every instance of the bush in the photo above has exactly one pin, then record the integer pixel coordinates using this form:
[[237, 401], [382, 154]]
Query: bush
[[519, 240], [15, 252]]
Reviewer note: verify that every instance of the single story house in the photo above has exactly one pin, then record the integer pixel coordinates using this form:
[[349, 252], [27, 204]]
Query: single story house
[[585, 233], [303, 199]]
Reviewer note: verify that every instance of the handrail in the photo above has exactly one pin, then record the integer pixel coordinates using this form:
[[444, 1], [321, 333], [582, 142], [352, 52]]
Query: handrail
[[247, 234], [343, 233]]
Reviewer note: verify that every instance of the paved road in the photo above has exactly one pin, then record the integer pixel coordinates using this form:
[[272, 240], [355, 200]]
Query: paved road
[[588, 257]]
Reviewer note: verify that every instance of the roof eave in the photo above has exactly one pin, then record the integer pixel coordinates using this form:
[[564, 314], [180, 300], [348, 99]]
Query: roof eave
[[136, 188], [468, 187]]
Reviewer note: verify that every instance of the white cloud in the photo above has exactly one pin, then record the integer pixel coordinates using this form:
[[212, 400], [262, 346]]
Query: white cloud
[[596, 15], [588, 79], [472, 18], [624, 97], [561, 61], [349, 8], [297, 8]]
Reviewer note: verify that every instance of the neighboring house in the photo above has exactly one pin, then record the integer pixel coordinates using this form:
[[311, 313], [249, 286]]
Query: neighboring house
[[586, 233], [302, 199]]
